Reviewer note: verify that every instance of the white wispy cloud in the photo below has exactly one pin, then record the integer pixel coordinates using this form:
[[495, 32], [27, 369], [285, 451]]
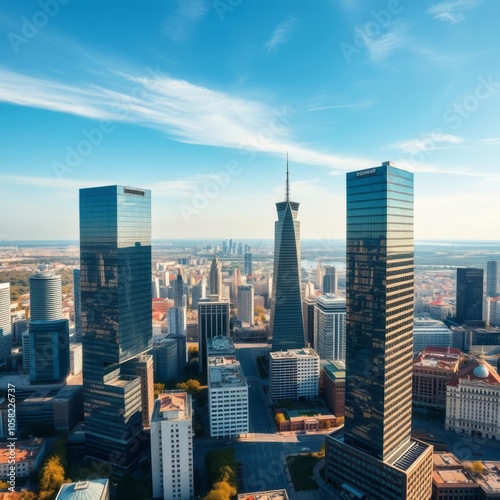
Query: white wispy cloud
[[50, 182], [452, 11], [184, 19], [490, 141], [353, 105], [183, 111], [281, 34], [427, 142]]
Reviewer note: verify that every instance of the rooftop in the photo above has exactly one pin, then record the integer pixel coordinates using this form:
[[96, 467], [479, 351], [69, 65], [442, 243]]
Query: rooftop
[[83, 490], [172, 405], [335, 370], [264, 495], [490, 480], [294, 353], [471, 373], [219, 345], [452, 476], [224, 371], [445, 460], [25, 450]]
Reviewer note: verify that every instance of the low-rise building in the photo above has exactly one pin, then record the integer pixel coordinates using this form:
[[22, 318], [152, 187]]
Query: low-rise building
[[473, 401], [430, 332], [333, 375], [294, 374], [227, 397], [433, 368], [27, 457], [92, 489], [264, 495]]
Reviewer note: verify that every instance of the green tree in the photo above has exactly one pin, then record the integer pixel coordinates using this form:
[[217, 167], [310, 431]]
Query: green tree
[[158, 388], [27, 495], [279, 417], [191, 386], [192, 352], [339, 421], [477, 467], [51, 478], [3, 484]]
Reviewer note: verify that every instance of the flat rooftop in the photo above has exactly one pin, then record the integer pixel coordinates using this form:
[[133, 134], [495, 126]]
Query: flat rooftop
[[264, 495], [25, 450], [220, 345], [452, 477], [445, 460], [294, 353], [225, 371], [490, 480]]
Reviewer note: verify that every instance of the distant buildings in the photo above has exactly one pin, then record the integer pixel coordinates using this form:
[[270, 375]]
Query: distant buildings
[[115, 273], [91, 489], [493, 278], [329, 283], [429, 332], [473, 401], [5, 326], [470, 296], [329, 327], [294, 374], [248, 264], [227, 398], [215, 279], [433, 368], [492, 311], [245, 303], [287, 326], [172, 446], [213, 321], [373, 456]]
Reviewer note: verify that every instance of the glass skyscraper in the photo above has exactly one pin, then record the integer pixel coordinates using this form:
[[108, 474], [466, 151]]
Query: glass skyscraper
[[470, 296], [374, 452], [115, 281], [286, 305]]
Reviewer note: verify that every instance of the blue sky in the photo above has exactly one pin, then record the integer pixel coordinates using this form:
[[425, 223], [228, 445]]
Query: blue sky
[[200, 101]]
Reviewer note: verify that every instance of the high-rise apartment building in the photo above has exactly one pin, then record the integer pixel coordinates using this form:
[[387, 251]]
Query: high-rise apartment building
[[172, 446], [77, 300], [329, 327], [470, 296], [180, 302], [45, 297], [215, 279], [5, 326], [374, 456], [213, 321], [245, 303], [493, 278], [115, 274], [287, 326]]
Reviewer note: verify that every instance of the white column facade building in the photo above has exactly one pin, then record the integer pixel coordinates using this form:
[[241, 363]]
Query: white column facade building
[[172, 447], [329, 327]]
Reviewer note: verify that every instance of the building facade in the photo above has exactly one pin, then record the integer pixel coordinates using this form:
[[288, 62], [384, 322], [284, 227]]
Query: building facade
[[215, 279], [115, 274], [330, 327], [172, 446], [245, 303], [330, 280], [5, 326], [334, 386], [470, 296], [294, 374], [77, 300], [373, 456], [429, 332], [248, 264], [227, 398], [493, 278], [287, 326], [308, 306]]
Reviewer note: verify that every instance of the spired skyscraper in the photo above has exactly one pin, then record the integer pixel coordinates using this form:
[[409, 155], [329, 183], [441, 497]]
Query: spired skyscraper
[[287, 325], [215, 279], [374, 456], [115, 280]]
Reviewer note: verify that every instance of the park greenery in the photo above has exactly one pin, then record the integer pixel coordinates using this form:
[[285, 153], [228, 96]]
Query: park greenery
[[221, 468]]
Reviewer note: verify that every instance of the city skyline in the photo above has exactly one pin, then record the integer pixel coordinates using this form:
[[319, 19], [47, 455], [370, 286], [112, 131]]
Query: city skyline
[[155, 95]]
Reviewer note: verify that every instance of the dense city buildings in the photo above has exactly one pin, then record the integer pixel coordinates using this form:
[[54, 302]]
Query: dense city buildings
[[473, 401], [287, 326], [213, 321], [5, 326], [374, 456], [329, 327], [493, 278], [470, 296], [294, 374], [115, 266], [333, 381], [245, 303], [433, 368], [172, 446], [227, 398], [430, 332]]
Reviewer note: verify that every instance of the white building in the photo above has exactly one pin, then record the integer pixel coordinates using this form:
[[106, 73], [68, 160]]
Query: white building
[[27, 455], [245, 303], [172, 446], [473, 401], [227, 397], [329, 327], [294, 374], [491, 311], [430, 332], [75, 358], [5, 325]]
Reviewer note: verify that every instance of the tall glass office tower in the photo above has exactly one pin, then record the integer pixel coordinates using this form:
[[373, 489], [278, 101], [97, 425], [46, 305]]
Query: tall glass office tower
[[287, 325], [115, 281], [375, 454]]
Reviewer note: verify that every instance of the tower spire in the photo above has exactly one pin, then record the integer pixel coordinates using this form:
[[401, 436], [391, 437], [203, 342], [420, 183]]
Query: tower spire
[[287, 191]]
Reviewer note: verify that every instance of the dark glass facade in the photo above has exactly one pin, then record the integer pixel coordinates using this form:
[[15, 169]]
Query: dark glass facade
[[115, 281], [77, 300], [49, 351], [470, 296], [379, 279], [493, 278], [213, 321], [286, 305]]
